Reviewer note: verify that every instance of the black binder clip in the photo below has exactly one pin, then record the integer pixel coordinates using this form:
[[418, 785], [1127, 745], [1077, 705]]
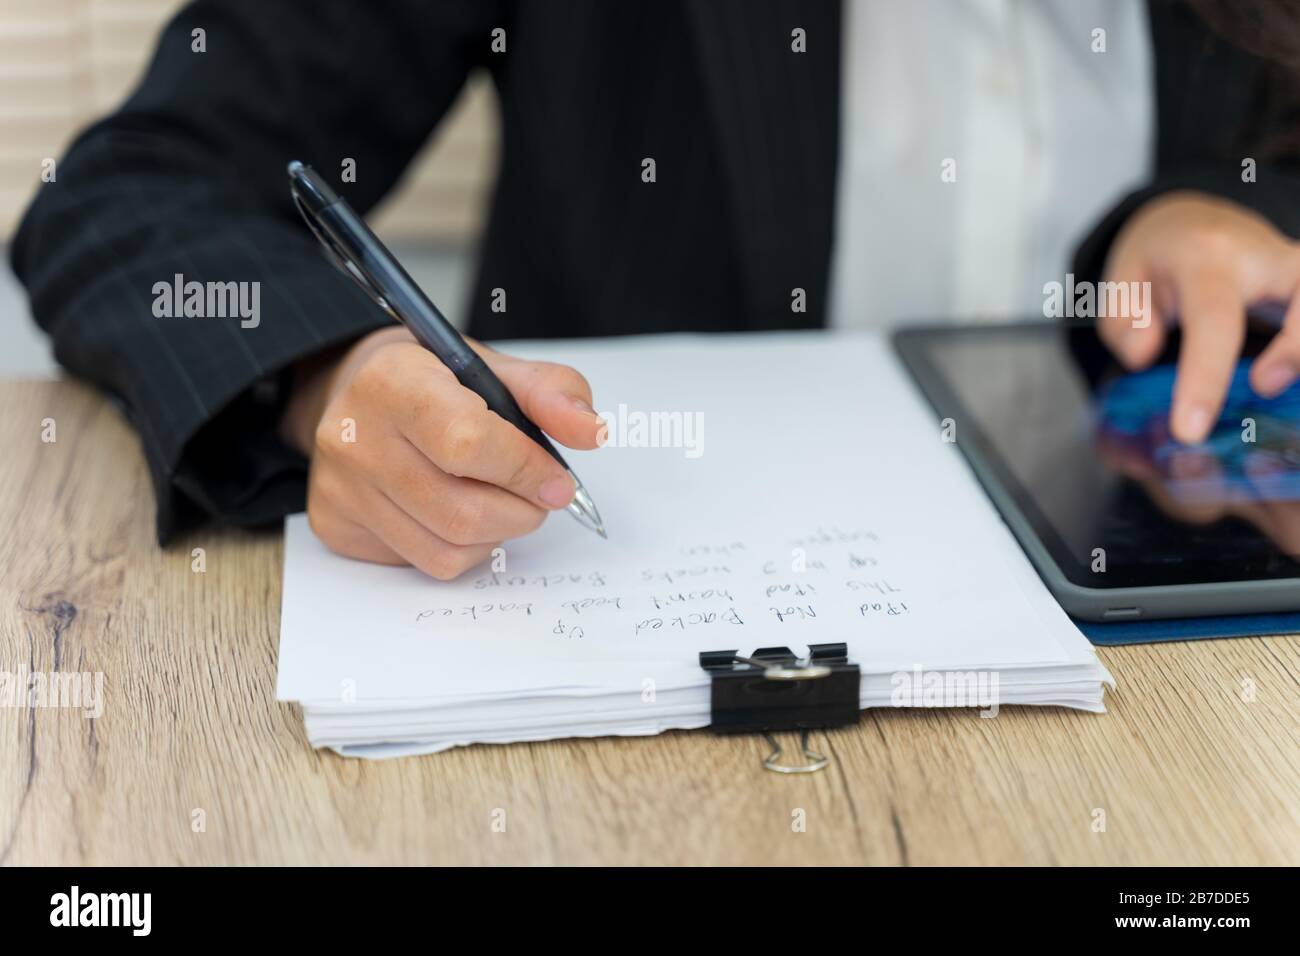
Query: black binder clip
[[776, 691]]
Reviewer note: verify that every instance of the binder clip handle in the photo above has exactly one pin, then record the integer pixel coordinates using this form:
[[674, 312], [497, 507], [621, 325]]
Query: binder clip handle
[[774, 690], [800, 670], [773, 763]]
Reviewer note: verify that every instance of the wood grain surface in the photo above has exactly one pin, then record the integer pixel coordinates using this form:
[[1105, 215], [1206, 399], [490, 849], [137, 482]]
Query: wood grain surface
[[193, 761]]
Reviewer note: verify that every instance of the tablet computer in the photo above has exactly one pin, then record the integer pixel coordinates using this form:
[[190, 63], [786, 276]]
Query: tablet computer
[[1121, 521]]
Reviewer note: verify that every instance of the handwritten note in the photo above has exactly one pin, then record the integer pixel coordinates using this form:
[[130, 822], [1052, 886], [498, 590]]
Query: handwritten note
[[821, 506], [702, 585]]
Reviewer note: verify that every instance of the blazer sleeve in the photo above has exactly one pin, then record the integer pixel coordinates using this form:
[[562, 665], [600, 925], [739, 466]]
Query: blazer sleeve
[[188, 179]]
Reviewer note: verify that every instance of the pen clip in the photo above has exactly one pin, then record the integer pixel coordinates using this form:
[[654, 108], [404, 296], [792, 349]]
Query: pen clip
[[340, 261]]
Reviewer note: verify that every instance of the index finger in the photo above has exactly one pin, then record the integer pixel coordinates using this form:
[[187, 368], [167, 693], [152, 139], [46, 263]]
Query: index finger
[[469, 440], [1212, 315], [555, 397]]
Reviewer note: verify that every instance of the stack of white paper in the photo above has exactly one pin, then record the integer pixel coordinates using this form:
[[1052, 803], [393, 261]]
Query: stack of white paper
[[771, 490]]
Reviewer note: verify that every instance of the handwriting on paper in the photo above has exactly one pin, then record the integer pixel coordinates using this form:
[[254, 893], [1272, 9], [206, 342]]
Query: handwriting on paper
[[824, 579]]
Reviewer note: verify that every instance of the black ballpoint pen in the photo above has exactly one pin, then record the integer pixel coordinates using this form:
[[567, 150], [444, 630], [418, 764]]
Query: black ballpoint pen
[[358, 252]]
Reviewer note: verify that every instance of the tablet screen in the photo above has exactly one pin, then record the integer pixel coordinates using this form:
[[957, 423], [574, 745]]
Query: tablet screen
[[1084, 450]]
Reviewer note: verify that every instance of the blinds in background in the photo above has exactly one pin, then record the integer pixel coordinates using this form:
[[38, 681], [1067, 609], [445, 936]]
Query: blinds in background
[[65, 62]]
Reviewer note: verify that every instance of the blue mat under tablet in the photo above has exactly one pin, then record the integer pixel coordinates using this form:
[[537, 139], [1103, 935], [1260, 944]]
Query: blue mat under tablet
[[1188, 629]]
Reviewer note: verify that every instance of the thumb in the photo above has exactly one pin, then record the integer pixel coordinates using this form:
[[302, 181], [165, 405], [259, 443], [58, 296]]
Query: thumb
[[556, 397], [1137, 335]]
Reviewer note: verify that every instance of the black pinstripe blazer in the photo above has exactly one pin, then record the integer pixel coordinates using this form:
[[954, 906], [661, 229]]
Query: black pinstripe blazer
[[188, 178]]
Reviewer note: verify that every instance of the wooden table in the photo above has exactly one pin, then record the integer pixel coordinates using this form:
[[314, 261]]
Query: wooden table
[[193, 761]]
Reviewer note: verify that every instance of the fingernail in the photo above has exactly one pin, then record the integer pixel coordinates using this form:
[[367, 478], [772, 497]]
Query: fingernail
[[557, 492], [582, 406], [1192, 424], [1275, 377]]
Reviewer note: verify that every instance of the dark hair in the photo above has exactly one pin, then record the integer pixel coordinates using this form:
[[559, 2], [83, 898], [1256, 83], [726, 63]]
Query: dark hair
[[1270, 31]]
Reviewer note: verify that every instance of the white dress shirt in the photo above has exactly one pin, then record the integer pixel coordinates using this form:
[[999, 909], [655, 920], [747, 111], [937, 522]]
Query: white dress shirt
[[1044, 135]]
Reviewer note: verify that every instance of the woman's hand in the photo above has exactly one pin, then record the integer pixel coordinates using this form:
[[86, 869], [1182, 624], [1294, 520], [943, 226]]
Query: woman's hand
[[410, 467], [1207, 260]]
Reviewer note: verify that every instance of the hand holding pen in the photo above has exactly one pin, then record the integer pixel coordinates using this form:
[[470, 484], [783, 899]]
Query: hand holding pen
[[433, 476]]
